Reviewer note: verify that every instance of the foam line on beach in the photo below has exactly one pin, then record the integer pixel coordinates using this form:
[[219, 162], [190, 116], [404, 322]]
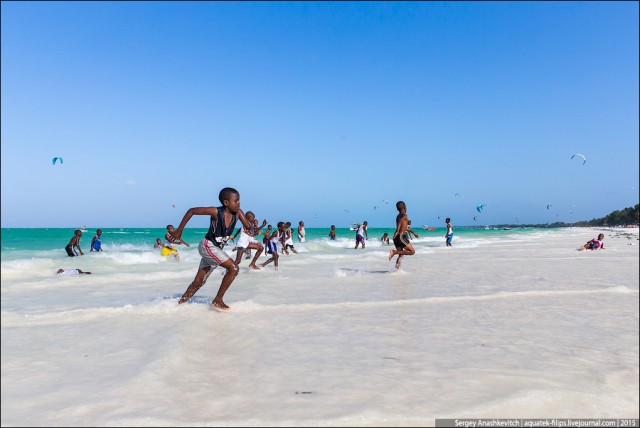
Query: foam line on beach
[[169, 305]]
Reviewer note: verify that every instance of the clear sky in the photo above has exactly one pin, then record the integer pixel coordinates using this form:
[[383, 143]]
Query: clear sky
[[318, 111]]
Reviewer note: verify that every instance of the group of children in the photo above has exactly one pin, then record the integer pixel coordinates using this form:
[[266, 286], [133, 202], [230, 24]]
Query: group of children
[[222, 223], [96, 244]]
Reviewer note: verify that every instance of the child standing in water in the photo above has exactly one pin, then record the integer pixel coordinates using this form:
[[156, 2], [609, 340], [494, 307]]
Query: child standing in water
[[74, 243], [361, 233], [332, 233], [221, 225], [96, 244], [449, 235], [400, 238]]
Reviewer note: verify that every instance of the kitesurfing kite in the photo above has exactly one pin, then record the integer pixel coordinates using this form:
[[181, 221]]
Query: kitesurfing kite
[[584, 159], [474, 218], [173, 205], [549, 206], [457, 194], [480, 207], [53, 161]]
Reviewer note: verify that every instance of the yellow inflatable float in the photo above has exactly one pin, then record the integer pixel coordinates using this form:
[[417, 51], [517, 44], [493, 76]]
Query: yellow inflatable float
[[169, 251]]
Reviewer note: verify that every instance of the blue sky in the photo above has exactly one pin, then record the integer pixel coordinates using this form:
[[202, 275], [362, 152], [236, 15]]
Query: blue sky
[[318, 111]]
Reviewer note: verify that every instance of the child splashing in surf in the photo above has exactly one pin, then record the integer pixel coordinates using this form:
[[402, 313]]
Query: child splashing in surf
[[221, 226], [400, 237], [248, 240]]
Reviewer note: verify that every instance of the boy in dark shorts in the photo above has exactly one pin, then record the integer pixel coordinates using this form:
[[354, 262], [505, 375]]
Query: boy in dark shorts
[[74, 243], [221, 226], [400, 237]]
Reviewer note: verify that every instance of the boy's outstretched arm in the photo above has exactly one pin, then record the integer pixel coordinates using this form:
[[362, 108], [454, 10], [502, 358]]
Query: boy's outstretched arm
[[212, 211]]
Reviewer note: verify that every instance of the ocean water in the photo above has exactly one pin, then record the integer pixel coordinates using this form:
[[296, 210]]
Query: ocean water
[[510, 323]]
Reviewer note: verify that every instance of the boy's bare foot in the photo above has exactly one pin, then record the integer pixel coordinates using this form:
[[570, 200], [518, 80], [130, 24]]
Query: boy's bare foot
[[252, 266], [220, 305]]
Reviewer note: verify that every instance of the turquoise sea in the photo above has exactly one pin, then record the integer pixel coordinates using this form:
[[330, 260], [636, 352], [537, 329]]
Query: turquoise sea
[[15, 241]]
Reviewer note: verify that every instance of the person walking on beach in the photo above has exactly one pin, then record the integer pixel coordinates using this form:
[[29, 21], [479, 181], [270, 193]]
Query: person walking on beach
[[361, 233], [272, 245], [248, 240], [594, 244], [301, 232], [221, 225], [400, 238], [74, 243], [449, 236], [332, 233], [96, 244]]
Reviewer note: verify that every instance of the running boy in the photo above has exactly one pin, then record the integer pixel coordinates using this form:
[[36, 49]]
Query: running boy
[[248, 240], [272, 245], [221, 225], [287, 239], [400, 238]]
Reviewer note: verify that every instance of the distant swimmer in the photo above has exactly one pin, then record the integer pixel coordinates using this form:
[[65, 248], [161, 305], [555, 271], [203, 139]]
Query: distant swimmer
[[301, 232], [96, 244], [332, 233], [400, 238], [74, 243], [71, 272], [222, 222], [385, 238]]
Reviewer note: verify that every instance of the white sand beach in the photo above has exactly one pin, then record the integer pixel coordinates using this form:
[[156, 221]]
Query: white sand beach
[[520, 326]]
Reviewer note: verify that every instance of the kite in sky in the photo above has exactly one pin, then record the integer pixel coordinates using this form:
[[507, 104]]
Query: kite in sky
[[53, 161], [480, 207], [584, 159]]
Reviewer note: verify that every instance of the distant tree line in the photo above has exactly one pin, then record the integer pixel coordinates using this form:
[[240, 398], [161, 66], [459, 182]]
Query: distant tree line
[[627, 216]]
